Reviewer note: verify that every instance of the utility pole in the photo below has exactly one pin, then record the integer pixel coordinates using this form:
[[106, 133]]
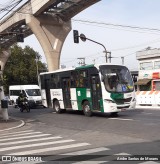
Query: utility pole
[[122, 57], [94, 61], [108, 56]]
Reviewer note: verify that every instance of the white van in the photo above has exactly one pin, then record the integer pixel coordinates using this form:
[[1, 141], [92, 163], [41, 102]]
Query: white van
[[32, 92]]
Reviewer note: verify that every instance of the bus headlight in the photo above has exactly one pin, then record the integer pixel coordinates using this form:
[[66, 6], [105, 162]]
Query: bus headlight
[[108, 101]]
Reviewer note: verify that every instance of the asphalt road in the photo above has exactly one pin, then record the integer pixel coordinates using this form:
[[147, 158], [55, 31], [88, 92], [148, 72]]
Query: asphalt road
[[132, 133]]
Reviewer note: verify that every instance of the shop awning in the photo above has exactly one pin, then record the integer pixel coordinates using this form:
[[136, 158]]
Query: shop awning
[[142, 81]]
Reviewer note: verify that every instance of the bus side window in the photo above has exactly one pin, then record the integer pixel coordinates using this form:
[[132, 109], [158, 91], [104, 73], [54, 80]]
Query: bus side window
[[76, 78], [73, 79], [86, 79], [55, 82], [42, 77], [83, 78]]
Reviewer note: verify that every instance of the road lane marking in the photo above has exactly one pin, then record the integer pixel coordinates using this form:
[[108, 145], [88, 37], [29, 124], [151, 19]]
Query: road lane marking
[[98, 160], [88, 151], [23, 134], [34, 145], [123, 153], [3, 134], [122, 119], [32, 140], [146, 113], [90, 162], [50, 149], [16, 138], [149, 162]]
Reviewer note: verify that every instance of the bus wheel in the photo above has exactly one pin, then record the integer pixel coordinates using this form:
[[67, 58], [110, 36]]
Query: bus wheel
[[56, 106], [114, 114], [86, 109]]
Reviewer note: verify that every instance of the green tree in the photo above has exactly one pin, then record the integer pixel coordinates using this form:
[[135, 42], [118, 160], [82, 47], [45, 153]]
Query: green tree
[[21, 68]]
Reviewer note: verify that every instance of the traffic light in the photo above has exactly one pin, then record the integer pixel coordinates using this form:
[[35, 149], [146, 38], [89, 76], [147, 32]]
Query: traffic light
[[75, 36], [20, 38]]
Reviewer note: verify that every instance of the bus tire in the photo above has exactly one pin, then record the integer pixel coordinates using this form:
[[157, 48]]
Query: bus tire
[[56, 106], [86, 109], [114, 114]]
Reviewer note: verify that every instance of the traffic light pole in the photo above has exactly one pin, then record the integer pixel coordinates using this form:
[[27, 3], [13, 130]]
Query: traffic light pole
[[76, 37], [105, 50]]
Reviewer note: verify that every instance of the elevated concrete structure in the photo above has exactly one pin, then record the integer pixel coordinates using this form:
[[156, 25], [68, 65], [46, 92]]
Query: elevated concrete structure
[[51, 39], [49, 20]]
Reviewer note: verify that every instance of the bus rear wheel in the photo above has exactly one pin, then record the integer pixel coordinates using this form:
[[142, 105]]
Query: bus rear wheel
[[56, 106], [86, 109]]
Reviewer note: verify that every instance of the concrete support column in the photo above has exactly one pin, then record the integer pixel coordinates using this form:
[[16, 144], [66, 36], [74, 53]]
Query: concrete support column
[[4, 55], [51, 34]]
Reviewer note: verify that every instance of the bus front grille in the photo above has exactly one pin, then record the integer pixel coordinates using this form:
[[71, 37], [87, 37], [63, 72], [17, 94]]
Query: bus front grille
[[123, 101]]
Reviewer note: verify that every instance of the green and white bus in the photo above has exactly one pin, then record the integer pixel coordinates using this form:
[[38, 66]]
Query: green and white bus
[[105, 88]]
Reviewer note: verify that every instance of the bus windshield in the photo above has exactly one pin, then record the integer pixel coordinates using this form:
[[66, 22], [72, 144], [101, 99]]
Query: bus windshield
[[116, 78], [33, 92]]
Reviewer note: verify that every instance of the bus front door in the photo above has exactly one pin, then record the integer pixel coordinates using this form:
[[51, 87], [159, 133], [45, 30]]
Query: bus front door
[[66, 92], [48, 96], [96, 92]]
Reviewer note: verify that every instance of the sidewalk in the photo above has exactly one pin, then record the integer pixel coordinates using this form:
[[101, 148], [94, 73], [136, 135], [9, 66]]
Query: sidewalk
[[10, 124]]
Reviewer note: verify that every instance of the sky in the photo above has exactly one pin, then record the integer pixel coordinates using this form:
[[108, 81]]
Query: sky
[[121, 42]]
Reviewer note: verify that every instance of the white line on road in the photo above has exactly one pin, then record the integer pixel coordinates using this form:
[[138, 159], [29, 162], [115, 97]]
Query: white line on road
[[3, 134], [23, 134], [16, 138], [34, 145], [122, 119], [32, 140], [149, 162], [50, 149], [123, 153], [83, 152], [90, 162], [86, 152], [146, 113]]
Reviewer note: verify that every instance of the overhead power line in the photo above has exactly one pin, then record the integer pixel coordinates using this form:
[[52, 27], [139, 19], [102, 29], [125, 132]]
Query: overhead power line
[[118, 25], [9, 8], [142, 29]]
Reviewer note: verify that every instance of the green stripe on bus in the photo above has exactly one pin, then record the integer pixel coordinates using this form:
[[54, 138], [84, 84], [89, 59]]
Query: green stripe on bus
[[83, 94], [101, 105], [115, 96]]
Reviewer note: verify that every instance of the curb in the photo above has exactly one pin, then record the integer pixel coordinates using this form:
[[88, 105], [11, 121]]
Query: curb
[[15, 127]]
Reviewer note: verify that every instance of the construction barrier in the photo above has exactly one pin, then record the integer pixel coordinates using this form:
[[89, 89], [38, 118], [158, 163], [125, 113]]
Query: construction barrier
[[148, 98]]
